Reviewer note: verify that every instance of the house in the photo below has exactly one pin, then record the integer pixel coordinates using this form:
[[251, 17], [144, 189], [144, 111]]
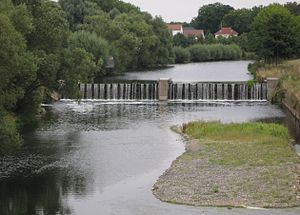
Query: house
[[192, 32], [226, 32], [175, 28]]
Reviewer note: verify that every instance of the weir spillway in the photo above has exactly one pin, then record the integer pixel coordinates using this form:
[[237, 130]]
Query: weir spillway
[[231, 91]]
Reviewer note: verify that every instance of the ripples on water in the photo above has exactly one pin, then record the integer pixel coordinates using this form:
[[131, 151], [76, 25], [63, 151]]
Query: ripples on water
[[104, 157]]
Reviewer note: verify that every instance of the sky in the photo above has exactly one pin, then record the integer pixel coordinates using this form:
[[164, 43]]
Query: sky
[[185, 10]]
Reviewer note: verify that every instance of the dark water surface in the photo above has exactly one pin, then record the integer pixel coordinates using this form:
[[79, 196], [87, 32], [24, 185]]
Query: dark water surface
[[103, 158]]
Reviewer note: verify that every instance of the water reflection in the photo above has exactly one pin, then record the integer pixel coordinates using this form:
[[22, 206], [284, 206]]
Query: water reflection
[[33, 196], [103, 158], [207, 71]]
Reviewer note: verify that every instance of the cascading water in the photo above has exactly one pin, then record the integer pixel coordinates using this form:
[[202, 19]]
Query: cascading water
[[217, 91], [177, 91], [120, 91]]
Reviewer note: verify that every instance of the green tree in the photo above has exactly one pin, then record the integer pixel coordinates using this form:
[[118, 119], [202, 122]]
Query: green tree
[[273, 34], [22, 19], [18, 71], [94, 45], [50, 27], [9, 137], [48, 65], [77, 10], [76, 66], [210, 39], [210, 16], [103, 26], [214, 52], [162, 51], [181, 40], [293, 7], [297, 29], [240, 20], [182, 55]]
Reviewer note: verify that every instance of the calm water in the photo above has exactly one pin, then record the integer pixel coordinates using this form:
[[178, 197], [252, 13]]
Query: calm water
[[103, 158], [211, 71]]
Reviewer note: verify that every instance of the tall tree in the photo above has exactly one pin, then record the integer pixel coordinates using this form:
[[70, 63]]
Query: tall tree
[[18, 71], [240, 20], [210, 16], [94, 45], [297, 24], [273, 33], [50, 27], [77, 65], [293, 7]]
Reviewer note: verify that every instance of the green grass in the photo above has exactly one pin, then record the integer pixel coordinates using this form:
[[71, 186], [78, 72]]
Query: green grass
[[287, 72], [237, 164], [252, 144]]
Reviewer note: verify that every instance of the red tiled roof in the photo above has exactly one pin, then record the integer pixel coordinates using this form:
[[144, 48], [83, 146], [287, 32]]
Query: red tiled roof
[[175, 27], [226, 31], [192, 32]]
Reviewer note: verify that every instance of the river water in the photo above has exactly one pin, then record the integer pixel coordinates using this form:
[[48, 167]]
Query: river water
[[209, 71], [103, 157]]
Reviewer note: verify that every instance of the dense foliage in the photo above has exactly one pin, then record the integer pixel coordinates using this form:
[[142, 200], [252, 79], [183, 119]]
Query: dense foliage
[[182, 55], [214, 52], [209, 52], [241, 19], [210, 16], [47, 45], [271, 33]]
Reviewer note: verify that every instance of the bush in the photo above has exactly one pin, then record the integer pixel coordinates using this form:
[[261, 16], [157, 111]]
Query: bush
[[181, 55], [9, 136], [253, 67], [214, 52]]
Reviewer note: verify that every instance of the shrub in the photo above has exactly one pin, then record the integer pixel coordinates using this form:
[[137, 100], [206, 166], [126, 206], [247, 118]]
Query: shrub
[[214, 52], [9, 136], [181, 55]]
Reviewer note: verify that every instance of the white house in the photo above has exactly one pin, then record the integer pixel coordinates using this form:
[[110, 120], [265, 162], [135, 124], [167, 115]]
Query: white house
[[192, 32], [226, 32], [175, 28]]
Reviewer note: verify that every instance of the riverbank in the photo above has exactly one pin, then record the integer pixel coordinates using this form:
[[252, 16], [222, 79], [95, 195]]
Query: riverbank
[[288, 89], [233, 165]]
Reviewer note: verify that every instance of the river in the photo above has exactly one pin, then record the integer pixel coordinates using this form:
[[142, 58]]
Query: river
[[103, 157], [209, 71]]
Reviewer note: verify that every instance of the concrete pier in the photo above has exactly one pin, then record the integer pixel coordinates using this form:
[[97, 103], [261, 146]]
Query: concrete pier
[[163, 88]]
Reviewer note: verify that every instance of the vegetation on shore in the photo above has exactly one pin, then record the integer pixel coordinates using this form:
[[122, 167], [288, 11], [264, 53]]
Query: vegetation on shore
[[288, 73], [239, 165], [202, 53]]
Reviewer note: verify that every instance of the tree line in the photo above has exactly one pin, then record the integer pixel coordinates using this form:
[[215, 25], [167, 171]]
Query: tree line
[[272, 33], [208, 52]]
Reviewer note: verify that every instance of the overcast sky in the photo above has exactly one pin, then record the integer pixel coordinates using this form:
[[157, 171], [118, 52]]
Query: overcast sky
[[185, 10]]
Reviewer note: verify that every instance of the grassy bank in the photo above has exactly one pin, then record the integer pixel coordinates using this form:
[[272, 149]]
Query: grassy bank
[[289, 74], [249, 164]]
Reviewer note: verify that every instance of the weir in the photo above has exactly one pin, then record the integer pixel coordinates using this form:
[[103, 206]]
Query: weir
[[168, 90]]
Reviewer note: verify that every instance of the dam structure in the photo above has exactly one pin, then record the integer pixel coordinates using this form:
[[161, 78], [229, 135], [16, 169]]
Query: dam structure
[[166, 90]]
